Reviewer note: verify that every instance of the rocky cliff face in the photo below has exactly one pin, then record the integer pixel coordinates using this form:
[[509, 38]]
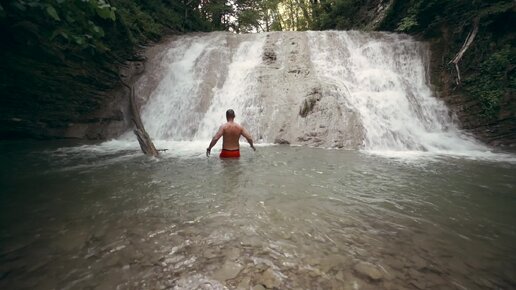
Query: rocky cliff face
[[496, 127], [49, 117], [307, 111], [498, 130]]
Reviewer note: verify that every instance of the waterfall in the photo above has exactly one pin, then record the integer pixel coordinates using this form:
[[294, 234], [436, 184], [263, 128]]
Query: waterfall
[[342, 89]]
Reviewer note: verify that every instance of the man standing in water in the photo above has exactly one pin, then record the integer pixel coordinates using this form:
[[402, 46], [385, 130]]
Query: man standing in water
[[230, 133]]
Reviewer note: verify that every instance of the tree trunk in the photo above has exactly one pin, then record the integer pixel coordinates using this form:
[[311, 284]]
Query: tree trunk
[[145, 141], [315, 11], [306, 14], [267, 27]]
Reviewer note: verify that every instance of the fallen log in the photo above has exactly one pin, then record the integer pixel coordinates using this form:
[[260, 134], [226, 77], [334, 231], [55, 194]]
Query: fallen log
[[144, 140]]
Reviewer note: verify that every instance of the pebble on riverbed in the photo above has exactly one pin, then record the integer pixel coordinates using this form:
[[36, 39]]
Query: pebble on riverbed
[[228, 271], [270, 279], [368, 270], [244, 284], [232, 254], [258, 287]]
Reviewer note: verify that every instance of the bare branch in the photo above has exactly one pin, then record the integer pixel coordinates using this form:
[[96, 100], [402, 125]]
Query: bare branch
[[469, 39]]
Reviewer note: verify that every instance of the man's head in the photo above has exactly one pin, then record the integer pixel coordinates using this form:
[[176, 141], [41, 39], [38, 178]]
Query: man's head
[[230, 114]]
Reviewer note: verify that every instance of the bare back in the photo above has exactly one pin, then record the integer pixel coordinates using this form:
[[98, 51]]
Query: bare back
[[231, 132]]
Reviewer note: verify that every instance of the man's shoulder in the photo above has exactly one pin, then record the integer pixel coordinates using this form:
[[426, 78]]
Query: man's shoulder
[[232, 124], [240, 127]]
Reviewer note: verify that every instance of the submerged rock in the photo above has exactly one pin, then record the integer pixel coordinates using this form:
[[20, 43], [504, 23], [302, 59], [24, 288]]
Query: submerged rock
[[270, 279], [258, 287], [244, 284], [228, 271], [198, 282], [210, 253], [281, 141], [232, 254], [418, 262], [368, 270]]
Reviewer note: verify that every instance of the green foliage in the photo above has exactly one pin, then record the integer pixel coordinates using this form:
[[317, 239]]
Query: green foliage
[[337, 14], [53, 13], [69, 24], [248, 21], [410, 22], [407, 24], [78, 25], [59, 54], [427, 16], [493, 80], [104, 10]]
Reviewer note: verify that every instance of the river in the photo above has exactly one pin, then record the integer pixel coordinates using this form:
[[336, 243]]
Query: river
[[105, 217]]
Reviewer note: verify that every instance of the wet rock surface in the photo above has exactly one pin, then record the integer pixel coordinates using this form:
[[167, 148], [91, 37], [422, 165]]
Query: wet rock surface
[[309, 103], [269, 279], [281, 141], [229, 270], [269, 56], [299, 103], [368, 270]]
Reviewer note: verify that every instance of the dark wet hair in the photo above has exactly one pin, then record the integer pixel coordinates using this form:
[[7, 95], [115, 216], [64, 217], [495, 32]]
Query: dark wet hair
[[230, 114]]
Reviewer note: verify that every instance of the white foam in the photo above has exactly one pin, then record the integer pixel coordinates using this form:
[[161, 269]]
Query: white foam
[[414, 155]]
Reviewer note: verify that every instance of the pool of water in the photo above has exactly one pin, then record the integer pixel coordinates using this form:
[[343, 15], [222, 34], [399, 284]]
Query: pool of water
[[96, 217]]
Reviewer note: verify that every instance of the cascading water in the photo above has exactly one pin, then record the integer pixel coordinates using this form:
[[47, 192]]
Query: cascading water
[[350, 90], [239, 91], [385, 80]]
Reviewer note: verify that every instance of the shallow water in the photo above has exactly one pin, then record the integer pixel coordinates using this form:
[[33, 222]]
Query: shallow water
[[285, 217]]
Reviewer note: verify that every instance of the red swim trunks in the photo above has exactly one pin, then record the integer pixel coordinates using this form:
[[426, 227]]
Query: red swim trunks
[[225, 153]]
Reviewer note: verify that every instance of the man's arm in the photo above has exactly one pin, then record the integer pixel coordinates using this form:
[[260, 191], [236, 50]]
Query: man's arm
[[215, 139], [248, 137]]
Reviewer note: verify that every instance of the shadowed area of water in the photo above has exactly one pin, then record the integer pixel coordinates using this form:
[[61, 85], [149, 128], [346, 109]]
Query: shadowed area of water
[[284, 217]]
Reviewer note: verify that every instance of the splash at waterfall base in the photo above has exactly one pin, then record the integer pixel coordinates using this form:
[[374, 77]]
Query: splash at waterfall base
[[349, 90]]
